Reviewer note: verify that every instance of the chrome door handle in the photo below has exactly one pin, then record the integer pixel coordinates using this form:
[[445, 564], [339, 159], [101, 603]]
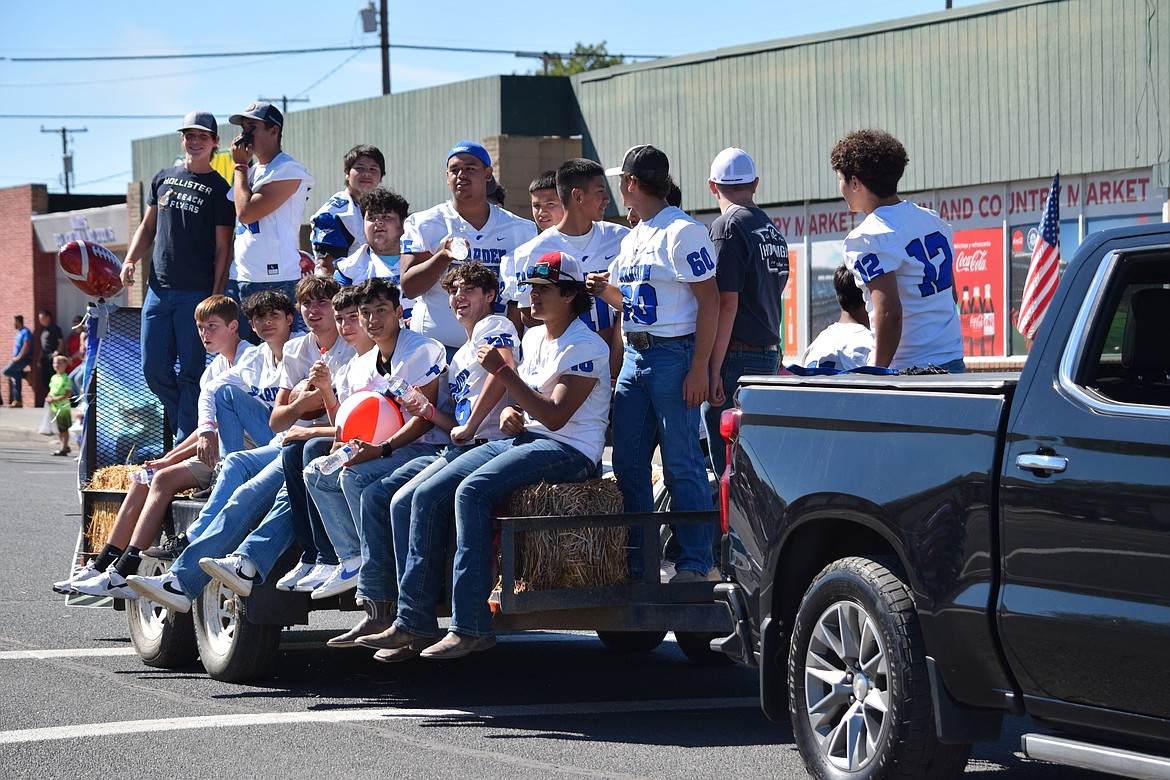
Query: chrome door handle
[[1036, 462]]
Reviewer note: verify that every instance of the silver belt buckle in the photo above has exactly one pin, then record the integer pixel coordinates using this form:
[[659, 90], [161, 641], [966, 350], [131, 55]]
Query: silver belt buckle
[[639, 340]]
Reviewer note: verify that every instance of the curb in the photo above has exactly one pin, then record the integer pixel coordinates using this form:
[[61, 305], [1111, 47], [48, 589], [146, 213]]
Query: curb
[[21, 434]]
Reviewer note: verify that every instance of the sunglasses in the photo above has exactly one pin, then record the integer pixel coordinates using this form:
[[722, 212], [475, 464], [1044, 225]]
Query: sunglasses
[[547, 272]]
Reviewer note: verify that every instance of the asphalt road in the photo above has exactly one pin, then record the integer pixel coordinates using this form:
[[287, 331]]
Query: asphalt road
[[77, 701]]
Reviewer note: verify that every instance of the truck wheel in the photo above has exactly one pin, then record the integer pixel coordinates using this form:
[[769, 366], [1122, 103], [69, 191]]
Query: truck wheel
[[231, 648], [859, 695], [162, 639], [631, 641], [696, 645]]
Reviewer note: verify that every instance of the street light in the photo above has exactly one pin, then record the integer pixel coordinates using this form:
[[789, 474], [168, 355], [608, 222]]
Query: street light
[[370, 17]]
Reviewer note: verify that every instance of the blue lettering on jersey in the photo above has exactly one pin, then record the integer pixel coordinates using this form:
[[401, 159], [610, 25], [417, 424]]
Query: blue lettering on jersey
[[700, 262], [502, 340], [639, 304], [868, 267], [634, 273], [251, 227], [337, 202], [935, 278], [584, 368], [434, 370]]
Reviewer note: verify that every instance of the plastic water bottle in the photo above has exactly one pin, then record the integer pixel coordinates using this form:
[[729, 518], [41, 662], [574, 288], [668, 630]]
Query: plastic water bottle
[[335, 461], [143, 476], [404, 391]]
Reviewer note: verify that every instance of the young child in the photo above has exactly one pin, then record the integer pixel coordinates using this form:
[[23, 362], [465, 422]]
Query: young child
[[145, 506], [60, 391], [901, 255]]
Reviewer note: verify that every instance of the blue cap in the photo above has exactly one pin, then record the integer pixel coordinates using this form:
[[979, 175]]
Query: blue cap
[[472, 148]]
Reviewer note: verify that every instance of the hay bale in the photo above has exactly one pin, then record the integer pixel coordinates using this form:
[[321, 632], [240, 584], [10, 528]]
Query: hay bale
[[99, 523], [570, 557], [111, 479]]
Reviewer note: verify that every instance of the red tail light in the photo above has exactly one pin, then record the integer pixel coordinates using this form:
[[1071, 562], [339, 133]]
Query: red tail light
[[729, 430]]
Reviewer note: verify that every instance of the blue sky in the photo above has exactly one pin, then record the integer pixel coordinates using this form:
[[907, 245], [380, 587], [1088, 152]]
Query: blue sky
[[172, 87]]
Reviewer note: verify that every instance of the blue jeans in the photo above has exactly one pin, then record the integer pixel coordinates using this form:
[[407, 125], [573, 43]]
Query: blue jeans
[[246, 507], [15, 373], [383, 543], [306, 520], [237, 468], [338, 495], [238, 413], [169, 333], [649, 407], [268, 541], [737, 363], [470, 487], [238, 291]]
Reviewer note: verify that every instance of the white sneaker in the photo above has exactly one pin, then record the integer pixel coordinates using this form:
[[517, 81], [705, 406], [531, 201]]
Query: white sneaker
[[164, 590], [344, 577], [290, 580], [66, 585], [318, 574], [108, 583], [235, 571]]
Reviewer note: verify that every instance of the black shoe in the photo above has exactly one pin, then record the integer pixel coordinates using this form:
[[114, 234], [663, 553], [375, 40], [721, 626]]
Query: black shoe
[[63, 452], [168, 550], [202, 495]]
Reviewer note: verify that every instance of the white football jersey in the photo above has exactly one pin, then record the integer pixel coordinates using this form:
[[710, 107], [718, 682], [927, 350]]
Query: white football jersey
[[466, 377], [842, 345], [916, 246], [255, 371], [266, 250], [425, 231], [364, 264], [581, 352], [601, 245], [301, 353], [340, 211], [659, 260], [417, 360]]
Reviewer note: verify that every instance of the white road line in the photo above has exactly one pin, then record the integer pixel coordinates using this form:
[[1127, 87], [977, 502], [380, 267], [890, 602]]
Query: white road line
[[79, 652], [90, 730]]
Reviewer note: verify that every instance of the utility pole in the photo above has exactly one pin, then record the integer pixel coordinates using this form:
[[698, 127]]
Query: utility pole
[[284, 101], [66, 158], [370, 22]]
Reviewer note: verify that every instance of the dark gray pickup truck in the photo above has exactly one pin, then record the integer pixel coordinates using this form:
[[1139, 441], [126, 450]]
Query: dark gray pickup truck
[[910, 558]]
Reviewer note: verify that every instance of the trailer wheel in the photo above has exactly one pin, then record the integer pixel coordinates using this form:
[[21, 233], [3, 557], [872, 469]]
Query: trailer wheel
[[231, 648], [859, 696], [631, 641], [162, 639], [696, 645]]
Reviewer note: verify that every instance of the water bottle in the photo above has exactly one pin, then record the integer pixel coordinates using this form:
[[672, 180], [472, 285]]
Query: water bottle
[[335, 461], [404, 391], [143, 476]]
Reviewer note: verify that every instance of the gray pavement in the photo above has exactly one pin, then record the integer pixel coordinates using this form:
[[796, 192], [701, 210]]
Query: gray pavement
[[22, 424], [541, 704]]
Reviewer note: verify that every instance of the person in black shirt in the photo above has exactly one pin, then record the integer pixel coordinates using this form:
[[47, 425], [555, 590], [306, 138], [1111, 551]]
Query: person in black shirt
[[189, 221], [52, 342]]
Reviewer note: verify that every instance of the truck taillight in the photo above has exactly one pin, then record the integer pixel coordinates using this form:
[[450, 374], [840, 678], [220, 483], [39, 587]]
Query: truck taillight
[[729, 430]]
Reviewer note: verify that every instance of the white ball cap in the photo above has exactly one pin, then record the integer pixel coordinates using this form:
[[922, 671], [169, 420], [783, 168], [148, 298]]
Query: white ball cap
[[733, 166]]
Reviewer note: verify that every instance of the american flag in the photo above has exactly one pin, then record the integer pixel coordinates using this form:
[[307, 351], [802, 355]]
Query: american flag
[[1043, 273]]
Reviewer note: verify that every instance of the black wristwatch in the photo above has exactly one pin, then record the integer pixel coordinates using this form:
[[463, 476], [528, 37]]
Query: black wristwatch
[[387, 450]]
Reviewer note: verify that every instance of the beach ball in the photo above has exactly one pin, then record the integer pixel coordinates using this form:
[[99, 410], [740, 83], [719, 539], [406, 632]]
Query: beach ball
[[368, 416]]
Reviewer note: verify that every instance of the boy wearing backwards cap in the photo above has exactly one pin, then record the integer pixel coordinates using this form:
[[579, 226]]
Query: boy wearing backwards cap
[[491, 234], [752, 270], [663, 281]]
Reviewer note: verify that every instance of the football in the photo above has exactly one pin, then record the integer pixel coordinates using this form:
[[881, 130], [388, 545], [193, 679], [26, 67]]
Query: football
[[91, 267], [299, 389], [308, 264]]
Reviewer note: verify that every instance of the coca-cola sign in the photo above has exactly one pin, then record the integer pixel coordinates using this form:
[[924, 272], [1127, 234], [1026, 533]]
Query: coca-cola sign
[[968, 260]]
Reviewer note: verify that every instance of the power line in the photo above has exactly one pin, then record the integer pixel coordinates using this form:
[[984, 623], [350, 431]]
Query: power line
[[417, 47], [87, 116]]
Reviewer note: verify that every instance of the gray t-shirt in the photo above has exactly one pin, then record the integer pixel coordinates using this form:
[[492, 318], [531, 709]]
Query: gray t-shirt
[[752, 260]]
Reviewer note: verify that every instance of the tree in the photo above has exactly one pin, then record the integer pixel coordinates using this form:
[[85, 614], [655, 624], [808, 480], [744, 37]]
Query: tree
[[581, 59]]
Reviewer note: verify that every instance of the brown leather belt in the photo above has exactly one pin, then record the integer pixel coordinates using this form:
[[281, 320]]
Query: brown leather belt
[[743, 346]]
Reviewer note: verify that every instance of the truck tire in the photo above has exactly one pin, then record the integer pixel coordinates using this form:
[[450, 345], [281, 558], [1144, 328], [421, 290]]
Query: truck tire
[[631, 641], [231, 648], [696, 646], [162, 639], [859, 695]]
